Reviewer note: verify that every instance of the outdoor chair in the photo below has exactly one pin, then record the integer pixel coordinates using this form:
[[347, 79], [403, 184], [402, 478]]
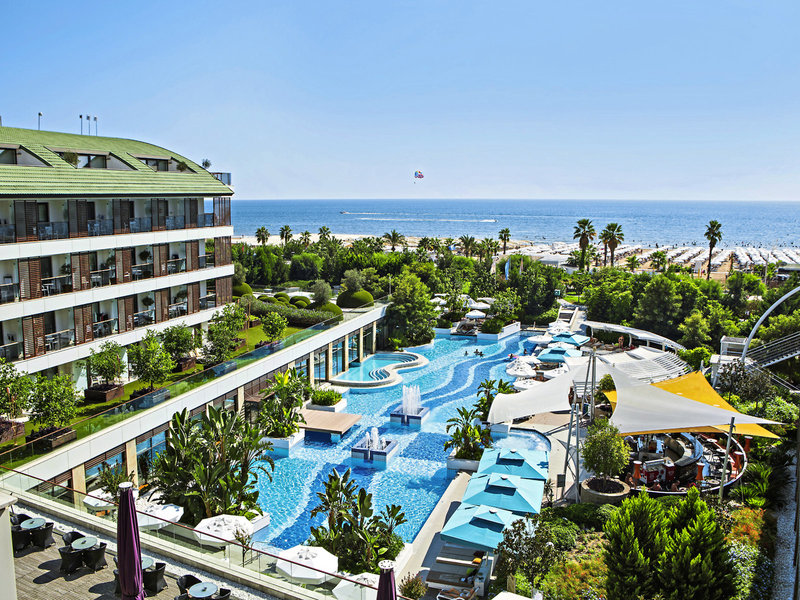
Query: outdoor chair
[[224, 594], [95, 558], [187, 581], [43, 537], [20, 538], [117, 588], [154, 578], [71, 537], [20, 518], [71, 560], [184, 596]]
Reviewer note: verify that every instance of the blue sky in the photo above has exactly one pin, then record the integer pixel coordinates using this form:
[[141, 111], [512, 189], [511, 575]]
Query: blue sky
[[641, 100]]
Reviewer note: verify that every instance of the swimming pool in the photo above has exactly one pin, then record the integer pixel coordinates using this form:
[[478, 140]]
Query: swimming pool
[[417, 476], [372, 367]]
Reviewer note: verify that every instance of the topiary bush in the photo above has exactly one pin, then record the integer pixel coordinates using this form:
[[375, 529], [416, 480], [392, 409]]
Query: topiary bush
[[297, 317], [331, 309], [298, 300], [242, 290], [271, 300], [359, 299], [282, 295], [565, 533], [494, 325], [265, 297]]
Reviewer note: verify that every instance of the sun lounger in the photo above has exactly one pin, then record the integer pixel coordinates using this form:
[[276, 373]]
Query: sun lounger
[[448, 576], [456, 594]]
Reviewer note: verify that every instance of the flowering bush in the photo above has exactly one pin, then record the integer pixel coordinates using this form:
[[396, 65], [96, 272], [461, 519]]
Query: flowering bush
[[753, 572]]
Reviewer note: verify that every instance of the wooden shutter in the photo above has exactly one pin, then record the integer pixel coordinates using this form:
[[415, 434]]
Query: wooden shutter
[[158, 210], [160, 257], [88, 322], [123, 258], [162, 305], [192, 255], [86, 277], [224, 291], [125, 313], [78, 218], [222, 211], [20, 224], [27, 337], [193, 298], [30, 278], [122, 216], [33, 334], [190, 212], [222, 251], [75, 264]]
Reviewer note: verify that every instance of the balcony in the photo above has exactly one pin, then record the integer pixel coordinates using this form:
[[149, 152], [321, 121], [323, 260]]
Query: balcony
[[53, 230], [11, 351], [101, 227], [104, 328], [140, 225], [59, 339], [178, 309], [208, 301], [9, 292], [205, 220], [142, 271], [103, 277], [205, 261], [7, 234], [176, 265], [144, 318], [175, 222], [59, 284], [223, 177]]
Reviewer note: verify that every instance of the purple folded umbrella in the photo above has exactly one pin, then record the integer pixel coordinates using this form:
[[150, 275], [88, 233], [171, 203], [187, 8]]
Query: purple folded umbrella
[[386, 588], [129, 555]]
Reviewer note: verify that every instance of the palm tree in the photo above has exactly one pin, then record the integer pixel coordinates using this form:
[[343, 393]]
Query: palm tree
[[262, 235], [324, 233], [658, 260], [713, 235], [305, 239], [286, 234], [424, 244], [467, 243], [505, 236], [584, 233], [604, 236], [633, 263], [615, 236], [448, 242], [395, 238]]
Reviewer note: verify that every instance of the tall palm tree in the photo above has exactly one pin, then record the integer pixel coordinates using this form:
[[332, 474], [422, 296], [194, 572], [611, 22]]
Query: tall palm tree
[[395, 238], [447, 242], [633, 263], [467, 243], [286, 234], [615, 236], [262, 235], [324, 233], [713, 235], [305, 239], [584, 233], [604, 236], [425, 244], [658, 260], [505, 236]]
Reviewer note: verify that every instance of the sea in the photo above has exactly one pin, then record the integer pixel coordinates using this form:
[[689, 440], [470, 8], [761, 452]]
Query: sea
[[664, 222]]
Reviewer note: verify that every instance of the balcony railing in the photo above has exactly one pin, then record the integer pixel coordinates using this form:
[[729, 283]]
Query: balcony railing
[[205, 220], [223, 177], [205, 261], [7, 234], [140, 225], [59, 339], [101, 227], [142, 271], [11, 351], [53, 230], [59, 284], [208, 301], [104, 328], [178, 309], [175, 222], [144, 318], [103, 277], [9, 292], [176, 265]]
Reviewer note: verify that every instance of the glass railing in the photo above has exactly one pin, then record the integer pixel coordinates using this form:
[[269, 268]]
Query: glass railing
[[142, 271], [205, 261], [103, 277], [53, 230], [128, 409], [105, 328], [208, 301], [101, 227], [7, 234], [59, 339], [144, 318], [59, 284], [175, 222], [140, 225], [205, 220], [176, 265], [9, 292], [178, 309], [97, 513], [11, 351]]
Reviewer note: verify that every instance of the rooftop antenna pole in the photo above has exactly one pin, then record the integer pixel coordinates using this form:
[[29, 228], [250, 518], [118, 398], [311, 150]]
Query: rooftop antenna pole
[[81, 117], [95, 124], [40, 121]]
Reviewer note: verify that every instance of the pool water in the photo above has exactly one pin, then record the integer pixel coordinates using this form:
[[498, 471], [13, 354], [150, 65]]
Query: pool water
[[371, 368], [417, 475]]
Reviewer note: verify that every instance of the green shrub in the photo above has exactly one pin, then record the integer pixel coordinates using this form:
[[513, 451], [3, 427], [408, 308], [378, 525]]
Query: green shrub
[[325, 397], [305, 266], [297, 317], [282, 295], [298, 300], [588, 516], [358, 299], [565, 533], [412, 586], [494, 325], [242, 290], [443, 323], [283, 301], [265, 298], [331, 309], [270, 299]]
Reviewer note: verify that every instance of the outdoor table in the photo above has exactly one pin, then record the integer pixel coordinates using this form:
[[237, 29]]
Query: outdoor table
[[203, 590], [32, 523], [84, 543], [147, 563]]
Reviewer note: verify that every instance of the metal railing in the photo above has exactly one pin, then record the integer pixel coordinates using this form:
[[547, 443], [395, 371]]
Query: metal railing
[[59, 284], [52, 230], [177, 222], [144, 318], [103, 277], [59, 339], [776, 350], [9, 292], [176, 265], [8, 235], [101, 227], [11, 351], [140, 225], [205, 261], [142, 271], [178, 309], [104, 328], [208, 301]]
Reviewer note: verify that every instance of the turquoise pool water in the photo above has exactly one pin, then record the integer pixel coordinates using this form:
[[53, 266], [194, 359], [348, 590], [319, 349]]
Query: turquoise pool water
[[371, 368], [417, 475]]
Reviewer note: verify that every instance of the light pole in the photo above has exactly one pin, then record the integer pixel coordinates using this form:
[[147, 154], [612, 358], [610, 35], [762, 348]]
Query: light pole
[[39, 126], [81, 118], [95, 124]]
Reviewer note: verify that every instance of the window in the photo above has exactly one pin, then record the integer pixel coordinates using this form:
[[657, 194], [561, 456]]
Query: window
[[8, 156], [43, 212], [157, 164], [85, 161]]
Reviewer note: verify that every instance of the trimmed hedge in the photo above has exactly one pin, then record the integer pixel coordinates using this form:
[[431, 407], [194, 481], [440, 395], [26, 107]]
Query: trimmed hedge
[[331, 309], [298, 300], [297, 317], [242, 290], [359, 299], [264, 298], [325, 397], [283, 295]]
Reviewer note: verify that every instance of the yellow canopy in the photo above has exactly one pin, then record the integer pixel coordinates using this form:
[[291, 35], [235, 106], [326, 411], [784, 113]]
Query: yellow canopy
[[694, 386]]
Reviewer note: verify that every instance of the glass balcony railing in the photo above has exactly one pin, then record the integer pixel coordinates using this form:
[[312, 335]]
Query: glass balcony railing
[[101, 227], [175, 222], [205, 261], [9, 292], [103, 277], [142, 271], [59, 339], [7, 234], [178, 309], [176, 265], [208, 301], [104, 328], [60, 284], [53, 230], [140, 225], [11, 351], [144, 318], [205, 220]]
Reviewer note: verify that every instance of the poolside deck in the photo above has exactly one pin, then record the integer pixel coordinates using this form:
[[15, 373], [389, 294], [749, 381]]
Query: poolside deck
[[335, 423]]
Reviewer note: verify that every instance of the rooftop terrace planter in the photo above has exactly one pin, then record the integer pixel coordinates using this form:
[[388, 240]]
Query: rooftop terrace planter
[[51, 438], [338, 407], [185, 363], [590, 495], [461, 464], [283, 446], [103, 392], [9, 430], [508, 330]]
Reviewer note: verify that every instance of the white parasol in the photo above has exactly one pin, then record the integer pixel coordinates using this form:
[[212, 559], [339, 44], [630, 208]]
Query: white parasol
[[347, 590], [307, 564], [475, 314], [226, 527], [479, 305], [518, 368]]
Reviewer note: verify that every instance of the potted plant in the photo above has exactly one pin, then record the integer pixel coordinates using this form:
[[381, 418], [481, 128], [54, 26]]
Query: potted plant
[[605, 454], [110, 477], [179, 341], [53, 405], [468, 438], [413, 586], [106, 365], [145, 255], [15, 391], [147, 301], [280, 416], [273, 326]]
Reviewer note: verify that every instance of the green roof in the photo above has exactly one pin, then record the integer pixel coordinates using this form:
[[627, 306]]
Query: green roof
[[56, 177]]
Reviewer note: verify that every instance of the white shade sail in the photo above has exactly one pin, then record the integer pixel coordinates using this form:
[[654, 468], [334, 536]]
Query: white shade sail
[[550, 396], [475, 314]]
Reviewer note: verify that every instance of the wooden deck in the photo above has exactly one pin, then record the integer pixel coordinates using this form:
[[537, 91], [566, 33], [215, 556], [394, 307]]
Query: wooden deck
[[335, 423]]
